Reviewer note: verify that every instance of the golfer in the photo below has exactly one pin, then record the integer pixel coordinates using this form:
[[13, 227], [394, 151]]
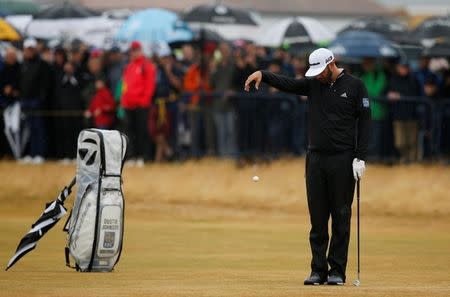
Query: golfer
[[339, 120]]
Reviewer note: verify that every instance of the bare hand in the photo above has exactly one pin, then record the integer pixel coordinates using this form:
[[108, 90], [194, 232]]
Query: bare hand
[[392, 95], [256, 77]]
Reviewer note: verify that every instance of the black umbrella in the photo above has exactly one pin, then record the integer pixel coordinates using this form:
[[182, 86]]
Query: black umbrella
[[208, 35], [219, 14], [65, 10], [438, 50], [389, 28], [359, 44], [435, 27], [53, 212], [202, 35]]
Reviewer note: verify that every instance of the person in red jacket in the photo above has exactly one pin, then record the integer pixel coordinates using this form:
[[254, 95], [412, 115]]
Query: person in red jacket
[[139, 83], [102, 107]]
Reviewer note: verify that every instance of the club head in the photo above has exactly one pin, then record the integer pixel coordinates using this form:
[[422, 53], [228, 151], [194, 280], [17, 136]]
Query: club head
[[356, 283]]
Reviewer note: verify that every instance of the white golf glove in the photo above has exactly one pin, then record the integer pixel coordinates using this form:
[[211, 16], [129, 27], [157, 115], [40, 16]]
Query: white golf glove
[[359, 166]]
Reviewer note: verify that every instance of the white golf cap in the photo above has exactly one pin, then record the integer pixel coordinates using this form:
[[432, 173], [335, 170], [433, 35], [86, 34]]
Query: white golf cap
[[30, 43], [318, 61]]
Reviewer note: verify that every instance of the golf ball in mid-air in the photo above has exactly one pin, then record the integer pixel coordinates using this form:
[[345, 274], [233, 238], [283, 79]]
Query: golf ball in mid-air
[[255, 178]]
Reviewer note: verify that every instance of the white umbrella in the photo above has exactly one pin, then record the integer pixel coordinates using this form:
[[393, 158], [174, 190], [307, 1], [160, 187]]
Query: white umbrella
[[92, 30], [295, 30], [20, 22], [99, 32]]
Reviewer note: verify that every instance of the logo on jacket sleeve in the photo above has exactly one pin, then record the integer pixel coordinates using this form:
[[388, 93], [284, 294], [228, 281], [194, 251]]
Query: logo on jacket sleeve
[[344, 95], [365, 102]]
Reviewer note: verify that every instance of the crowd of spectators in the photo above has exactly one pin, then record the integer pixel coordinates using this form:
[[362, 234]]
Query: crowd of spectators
[[183, 103]]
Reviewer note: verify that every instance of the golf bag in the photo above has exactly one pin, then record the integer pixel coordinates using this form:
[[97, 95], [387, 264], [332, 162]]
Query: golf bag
[[96, 223]]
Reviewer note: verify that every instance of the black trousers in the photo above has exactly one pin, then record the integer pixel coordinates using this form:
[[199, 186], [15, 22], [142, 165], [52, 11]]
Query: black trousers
[[135, 122], [330, 186], [66, 134]]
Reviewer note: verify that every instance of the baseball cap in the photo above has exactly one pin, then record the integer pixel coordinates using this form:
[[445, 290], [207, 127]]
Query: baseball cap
[[135, 45], [30, 43], [318, 61], [96, 53]]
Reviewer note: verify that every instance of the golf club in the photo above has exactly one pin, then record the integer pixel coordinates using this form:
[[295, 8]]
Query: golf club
[[357, 281]]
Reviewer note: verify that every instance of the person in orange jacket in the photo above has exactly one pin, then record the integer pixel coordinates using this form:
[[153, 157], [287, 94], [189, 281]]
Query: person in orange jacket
[[139, 83], [102, 106]]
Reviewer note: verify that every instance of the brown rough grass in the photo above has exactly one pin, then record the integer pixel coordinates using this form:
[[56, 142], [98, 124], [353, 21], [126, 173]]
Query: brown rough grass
[[205, 229], [415, 190]]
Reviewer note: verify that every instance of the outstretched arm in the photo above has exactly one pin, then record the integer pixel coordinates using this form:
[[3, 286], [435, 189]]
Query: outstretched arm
[[281, 82]]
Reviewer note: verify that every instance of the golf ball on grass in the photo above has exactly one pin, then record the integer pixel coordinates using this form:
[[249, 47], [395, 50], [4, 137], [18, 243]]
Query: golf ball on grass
[[255, 178]]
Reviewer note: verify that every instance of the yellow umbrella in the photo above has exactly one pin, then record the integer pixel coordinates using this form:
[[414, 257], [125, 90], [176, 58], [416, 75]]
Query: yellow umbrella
[[7, 32]]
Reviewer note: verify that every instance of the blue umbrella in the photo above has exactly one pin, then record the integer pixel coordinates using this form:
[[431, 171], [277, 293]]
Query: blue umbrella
[[358, 44], [153, 26]]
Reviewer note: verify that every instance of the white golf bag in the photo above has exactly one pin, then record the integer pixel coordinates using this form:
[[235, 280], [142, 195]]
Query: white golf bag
[[95, 226]]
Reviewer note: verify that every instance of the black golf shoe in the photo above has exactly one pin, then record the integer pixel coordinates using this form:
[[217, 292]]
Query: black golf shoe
[[314, 279], [335, 280]]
